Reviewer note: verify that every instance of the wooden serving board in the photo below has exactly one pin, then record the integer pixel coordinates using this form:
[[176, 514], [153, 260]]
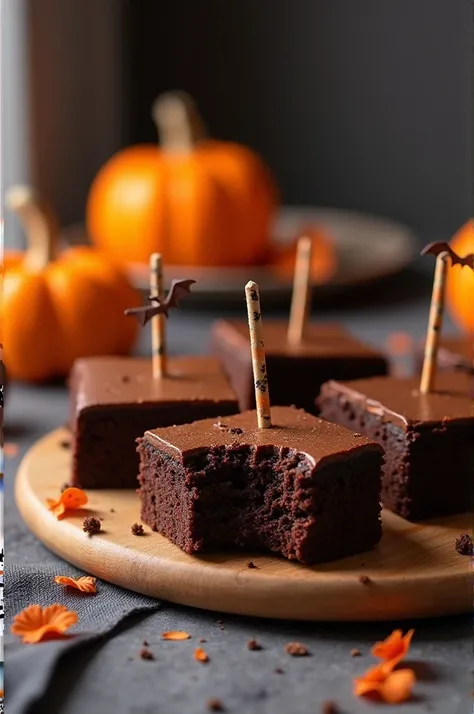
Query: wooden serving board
[[414, 572]]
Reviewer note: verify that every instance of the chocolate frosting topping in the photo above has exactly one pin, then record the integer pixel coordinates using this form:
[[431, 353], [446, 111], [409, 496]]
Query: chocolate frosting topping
[[103, 381], [320, 340], [291, 428], [400, 401]]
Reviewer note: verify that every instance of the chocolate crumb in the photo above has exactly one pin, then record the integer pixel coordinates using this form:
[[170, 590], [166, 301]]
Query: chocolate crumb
[[296, 649], [137, 529], [254, 645], [64, 487], [65, 444], [220, 425], [364, 579], [112, 510], [202, 639], [252, 565], [329, 708], [355, 653], [215, 705], [232, 429], [464, 544], [91, 525], [145, 643], [146, 654], [279, 670]]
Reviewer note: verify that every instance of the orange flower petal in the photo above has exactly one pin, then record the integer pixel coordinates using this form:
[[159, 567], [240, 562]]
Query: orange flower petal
[[86, 583], [35, 623], [200, 655], [175, 635], [370, 681], [395, 647], [398, 686], [70, 499], [73, 497]]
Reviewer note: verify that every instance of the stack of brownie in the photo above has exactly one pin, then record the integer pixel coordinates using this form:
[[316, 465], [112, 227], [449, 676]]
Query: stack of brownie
[[308, 488]]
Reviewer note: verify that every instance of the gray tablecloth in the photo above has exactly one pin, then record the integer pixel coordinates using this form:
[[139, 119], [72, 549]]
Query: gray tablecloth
[[102, 671]]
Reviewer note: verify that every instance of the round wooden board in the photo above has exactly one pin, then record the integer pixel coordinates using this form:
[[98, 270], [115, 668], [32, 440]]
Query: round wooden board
[[414, 572]]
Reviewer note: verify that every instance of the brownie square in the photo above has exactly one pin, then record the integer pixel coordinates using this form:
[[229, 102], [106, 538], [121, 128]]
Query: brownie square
[[114, 400], [306, 489], [295, 373], [428, 438], [454, 353]]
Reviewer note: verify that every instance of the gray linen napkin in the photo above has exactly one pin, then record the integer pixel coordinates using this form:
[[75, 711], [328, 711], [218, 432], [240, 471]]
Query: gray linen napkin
[[30, 668]]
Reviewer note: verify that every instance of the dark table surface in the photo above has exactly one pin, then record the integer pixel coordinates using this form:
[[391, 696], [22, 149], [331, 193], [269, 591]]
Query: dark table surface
[[114, 679]]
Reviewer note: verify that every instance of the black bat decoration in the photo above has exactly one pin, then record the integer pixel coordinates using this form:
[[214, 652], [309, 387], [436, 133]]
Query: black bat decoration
[[178, 289], [437, 248]]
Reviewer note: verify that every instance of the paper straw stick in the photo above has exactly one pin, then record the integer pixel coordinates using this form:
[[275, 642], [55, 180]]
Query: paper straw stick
[[435, 322], [158, 322], [301, 291], [257, 347]]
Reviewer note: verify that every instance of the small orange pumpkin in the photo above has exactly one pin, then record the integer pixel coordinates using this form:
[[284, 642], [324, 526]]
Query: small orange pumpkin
[[196, 201], [59, 308], [460, 287]]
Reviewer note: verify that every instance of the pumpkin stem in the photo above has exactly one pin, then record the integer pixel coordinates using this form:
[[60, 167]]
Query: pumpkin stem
[[39, 223], [178, 122]]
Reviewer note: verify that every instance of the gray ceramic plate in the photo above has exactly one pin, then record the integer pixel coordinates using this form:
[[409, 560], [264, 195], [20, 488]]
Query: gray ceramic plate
[[368, 248]]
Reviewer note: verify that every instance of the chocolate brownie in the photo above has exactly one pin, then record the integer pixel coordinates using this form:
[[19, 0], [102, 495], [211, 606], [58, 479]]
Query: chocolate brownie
[[428, 438], [454, 353], [304, 488], [114, 400], [295, 373]]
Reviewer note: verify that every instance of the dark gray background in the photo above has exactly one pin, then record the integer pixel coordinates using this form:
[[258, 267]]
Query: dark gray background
[[361, 104]]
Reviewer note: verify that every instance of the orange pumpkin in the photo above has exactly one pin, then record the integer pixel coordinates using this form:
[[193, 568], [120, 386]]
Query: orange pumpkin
[[56, 309], [460, 287], [196, 201]]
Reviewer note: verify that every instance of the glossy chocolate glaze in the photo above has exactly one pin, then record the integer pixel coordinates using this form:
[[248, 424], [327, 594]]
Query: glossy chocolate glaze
[[113, 381], [292, 428], [400, 402], [320, 340]]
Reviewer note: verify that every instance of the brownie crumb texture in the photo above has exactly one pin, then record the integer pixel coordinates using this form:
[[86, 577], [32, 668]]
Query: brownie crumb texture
[[137, 529], [64, 487], [364, 579], [232, 430], [91, 525], [252, 565], [215, 705], [145, 653], [355, 653], [296, 649], [329, 708], [220, 425], [254, 645], [145, 643], [464, 544]]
